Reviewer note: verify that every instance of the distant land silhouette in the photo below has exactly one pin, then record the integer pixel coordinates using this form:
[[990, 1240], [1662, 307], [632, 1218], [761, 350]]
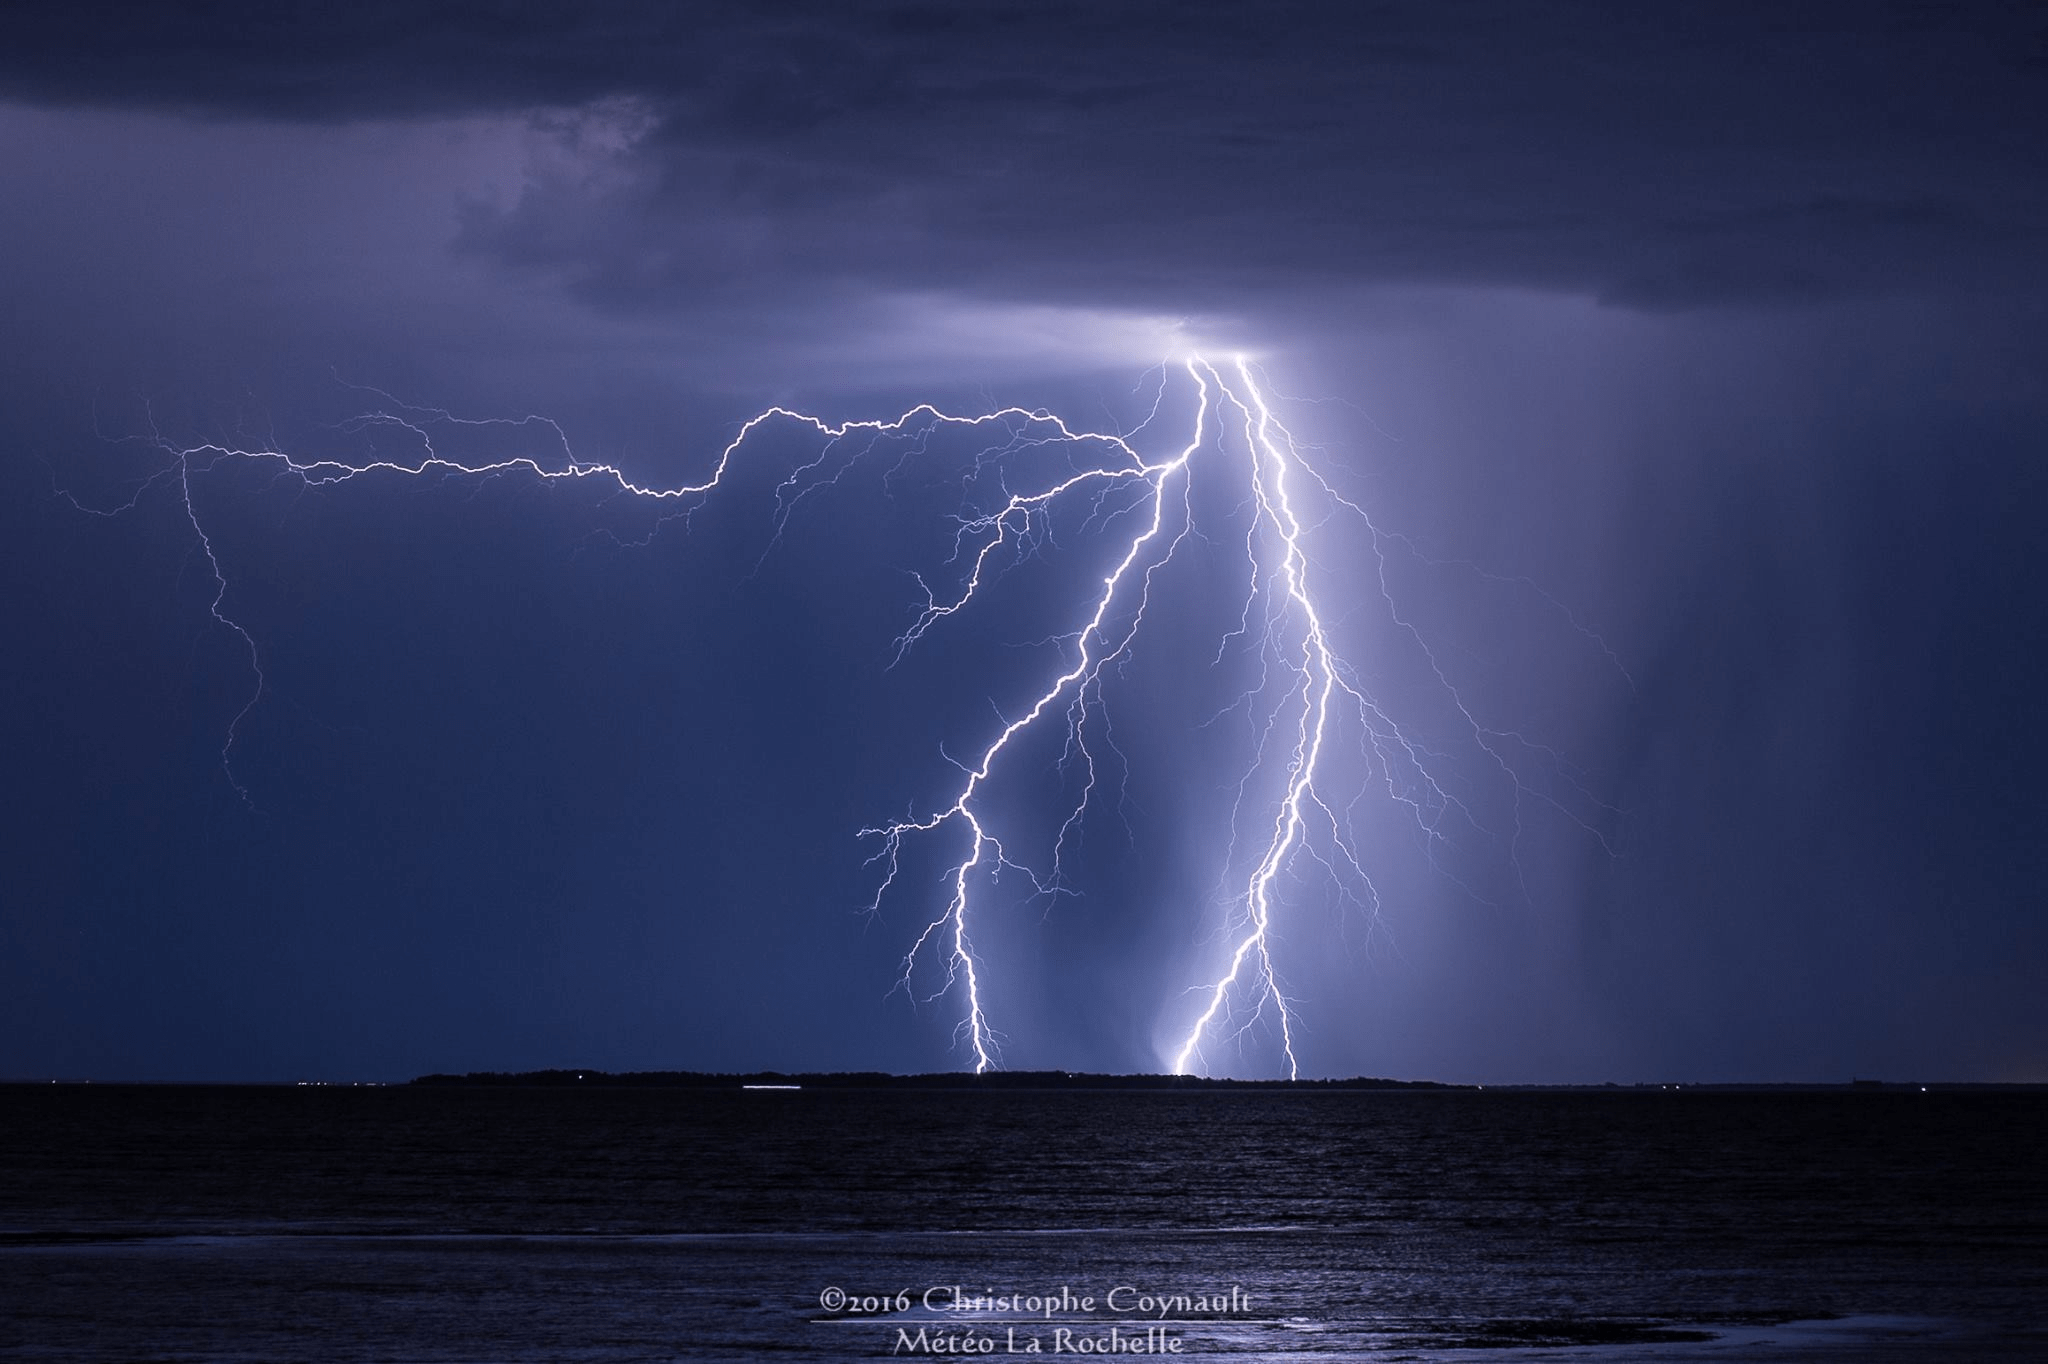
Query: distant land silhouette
[[1073, 1080], [994, 1079]]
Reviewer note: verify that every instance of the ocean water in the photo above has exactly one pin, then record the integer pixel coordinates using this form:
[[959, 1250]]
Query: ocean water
[[539, 1224]]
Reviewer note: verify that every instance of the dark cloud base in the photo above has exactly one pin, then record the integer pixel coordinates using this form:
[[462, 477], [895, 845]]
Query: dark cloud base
[[1177, 156]]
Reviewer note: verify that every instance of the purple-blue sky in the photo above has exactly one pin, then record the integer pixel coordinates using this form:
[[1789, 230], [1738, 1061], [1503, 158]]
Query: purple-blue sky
[[1715, 331]]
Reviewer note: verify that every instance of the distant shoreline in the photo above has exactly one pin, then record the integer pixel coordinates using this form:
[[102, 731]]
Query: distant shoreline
[[951, 1080], [1003, 1080], [1011, 1081]]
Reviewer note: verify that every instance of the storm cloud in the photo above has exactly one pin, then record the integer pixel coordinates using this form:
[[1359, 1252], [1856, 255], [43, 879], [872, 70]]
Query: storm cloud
[[1168, 156]]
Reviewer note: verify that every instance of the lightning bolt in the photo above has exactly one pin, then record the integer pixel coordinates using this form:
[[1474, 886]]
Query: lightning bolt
[[1305, 704]]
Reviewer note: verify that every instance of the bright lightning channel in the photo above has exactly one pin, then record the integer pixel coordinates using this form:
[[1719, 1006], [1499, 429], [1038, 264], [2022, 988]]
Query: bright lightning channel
[[1306, 698]]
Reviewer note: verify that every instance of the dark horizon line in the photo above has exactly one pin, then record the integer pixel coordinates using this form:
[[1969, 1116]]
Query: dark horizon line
[[1011, 1080]]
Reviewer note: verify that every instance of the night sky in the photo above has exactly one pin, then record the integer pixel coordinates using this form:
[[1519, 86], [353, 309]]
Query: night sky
[[1689, 359]]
